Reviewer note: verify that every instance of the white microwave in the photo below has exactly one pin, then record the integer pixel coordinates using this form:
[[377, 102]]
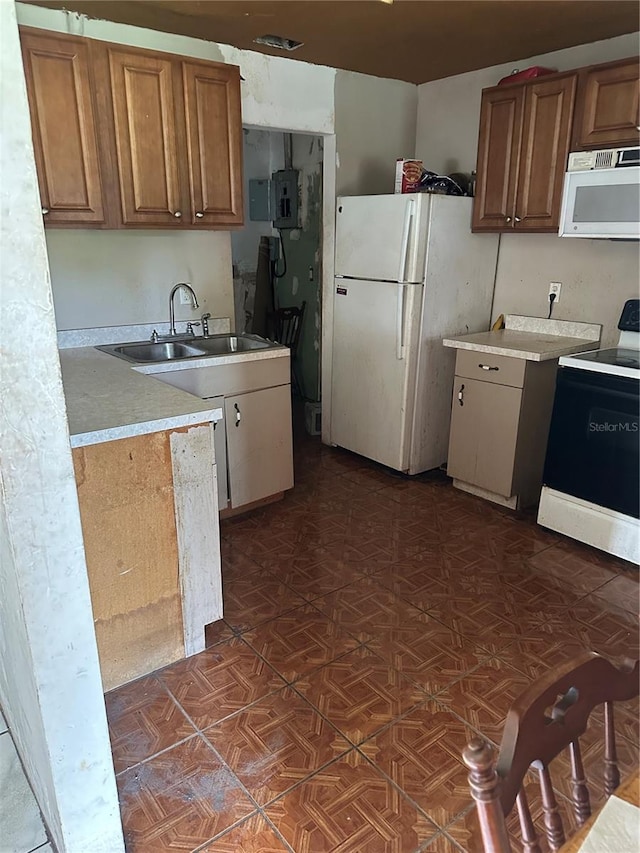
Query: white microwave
[[602, 202]]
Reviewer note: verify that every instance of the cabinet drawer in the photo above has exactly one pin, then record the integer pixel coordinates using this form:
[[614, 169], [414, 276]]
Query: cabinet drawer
[[499, 369]]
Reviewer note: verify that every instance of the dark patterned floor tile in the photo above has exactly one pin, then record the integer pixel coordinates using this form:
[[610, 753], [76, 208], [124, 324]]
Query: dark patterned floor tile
[[313, 578], [422, 754], [483, 697], [622, 592], [300, 641], [143, 720], [248, 604], [179, 799], [349, 806], [359, 693], [365, 606], [220, 681], [276, 743], [217, 632], [428, 652], [254, 835]]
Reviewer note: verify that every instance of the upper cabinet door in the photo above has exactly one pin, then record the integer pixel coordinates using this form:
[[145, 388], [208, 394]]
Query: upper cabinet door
[[214, 143], [548, 116], [146, 138], [609, 107], [64, 132], [498, 146]]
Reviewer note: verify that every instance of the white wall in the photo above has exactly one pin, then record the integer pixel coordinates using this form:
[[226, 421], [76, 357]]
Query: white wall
[[50, 687], [375, 125], [112, 278], [597, 275]]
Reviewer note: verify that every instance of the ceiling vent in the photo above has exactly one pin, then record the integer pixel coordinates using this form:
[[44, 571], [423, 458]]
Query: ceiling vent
[[279, 42]]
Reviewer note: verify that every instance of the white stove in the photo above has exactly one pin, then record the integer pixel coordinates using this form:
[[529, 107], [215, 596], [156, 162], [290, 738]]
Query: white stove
[[591, 486], [623, 360]]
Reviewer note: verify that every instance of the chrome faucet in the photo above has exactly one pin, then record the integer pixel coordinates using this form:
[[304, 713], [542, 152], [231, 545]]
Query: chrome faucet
[[194, 302]]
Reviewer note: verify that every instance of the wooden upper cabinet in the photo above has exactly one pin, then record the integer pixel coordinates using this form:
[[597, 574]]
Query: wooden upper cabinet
[[523, 146], [498, 151], [214, 142], [64, 132], [548, 115], [608, 113], [146, 137]]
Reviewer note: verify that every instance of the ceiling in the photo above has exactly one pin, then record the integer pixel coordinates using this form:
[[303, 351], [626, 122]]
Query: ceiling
[[406, 39]]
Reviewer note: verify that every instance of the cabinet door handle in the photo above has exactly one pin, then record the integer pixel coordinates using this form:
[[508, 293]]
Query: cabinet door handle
[[178, 214], [199, 215], [461, 395], [488, 367], [518, 219], [507, 219], [238, 415], [45, 210]]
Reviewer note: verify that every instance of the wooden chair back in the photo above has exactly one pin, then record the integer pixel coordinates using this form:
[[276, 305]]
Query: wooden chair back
[[287, 325], [547, 718]]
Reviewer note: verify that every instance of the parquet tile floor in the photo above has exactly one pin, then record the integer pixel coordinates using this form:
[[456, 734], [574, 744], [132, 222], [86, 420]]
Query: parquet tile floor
[[373, 624]]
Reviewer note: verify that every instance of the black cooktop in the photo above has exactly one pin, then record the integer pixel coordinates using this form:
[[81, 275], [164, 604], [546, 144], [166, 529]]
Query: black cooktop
[[616, 355]]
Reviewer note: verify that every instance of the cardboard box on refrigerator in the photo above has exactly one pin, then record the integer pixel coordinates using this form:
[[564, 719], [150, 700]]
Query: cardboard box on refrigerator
[[408, 174]]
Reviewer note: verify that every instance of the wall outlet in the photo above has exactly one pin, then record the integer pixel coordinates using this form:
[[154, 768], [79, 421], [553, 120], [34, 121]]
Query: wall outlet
[[185, 297], [555, 287]]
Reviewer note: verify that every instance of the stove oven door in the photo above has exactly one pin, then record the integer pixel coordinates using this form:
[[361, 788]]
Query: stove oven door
[[594, 440]]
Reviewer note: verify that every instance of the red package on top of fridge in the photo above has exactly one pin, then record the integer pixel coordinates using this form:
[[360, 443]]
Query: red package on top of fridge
[[527, 74]]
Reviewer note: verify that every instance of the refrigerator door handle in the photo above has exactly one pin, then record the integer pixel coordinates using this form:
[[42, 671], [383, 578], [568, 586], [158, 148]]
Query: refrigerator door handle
[[400, 323], [404, 245]]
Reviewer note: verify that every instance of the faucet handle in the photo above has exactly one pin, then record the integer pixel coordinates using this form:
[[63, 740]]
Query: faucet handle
[[154, 337], [190, 328]]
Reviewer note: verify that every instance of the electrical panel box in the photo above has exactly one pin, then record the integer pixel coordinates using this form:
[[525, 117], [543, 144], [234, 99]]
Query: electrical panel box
[[260, 200], [285, 198]]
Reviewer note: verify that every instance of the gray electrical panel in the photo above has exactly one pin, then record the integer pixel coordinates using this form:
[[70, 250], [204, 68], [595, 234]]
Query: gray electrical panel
[[285, 198], [260, 200]]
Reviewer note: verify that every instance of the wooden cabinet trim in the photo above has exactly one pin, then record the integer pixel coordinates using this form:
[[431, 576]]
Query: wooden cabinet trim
[[67, 198], [216, 195], [544, 152], [126, 185], [501, 218], [586, 135]]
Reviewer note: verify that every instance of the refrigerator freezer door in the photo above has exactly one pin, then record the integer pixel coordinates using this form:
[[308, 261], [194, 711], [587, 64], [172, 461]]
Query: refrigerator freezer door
[[373, 368], [381, 237]]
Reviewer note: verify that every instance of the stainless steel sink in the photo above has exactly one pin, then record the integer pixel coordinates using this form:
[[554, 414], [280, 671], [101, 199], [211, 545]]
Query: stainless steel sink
[[215, 345], [166, 351], [225, 344]]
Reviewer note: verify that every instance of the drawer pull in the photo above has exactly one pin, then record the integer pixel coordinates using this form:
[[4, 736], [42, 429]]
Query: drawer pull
[[488, 367], [238, 415], [461, 395]]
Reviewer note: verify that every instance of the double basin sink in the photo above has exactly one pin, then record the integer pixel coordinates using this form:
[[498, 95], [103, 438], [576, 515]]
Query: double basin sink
[[191, 347]]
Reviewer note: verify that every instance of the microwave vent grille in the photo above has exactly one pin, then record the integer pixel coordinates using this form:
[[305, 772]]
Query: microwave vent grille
[[605, 159]]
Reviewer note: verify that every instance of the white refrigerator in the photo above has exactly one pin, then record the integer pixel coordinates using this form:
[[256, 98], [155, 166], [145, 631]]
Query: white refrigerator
[[409, 272]]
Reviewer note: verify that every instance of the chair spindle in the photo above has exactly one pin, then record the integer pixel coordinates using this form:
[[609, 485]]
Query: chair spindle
[[529, 835], [484, 784], [611, 772], [580, 792], [552, 820]]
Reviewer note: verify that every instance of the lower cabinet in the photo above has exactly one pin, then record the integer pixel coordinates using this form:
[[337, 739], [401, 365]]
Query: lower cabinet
[[484, 429], [254, 441], [500, 419], [259, 444], [149, 513]]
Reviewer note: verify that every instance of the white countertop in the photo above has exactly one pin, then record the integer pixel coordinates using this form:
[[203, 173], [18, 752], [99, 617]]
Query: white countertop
[[107, 398], [532, 338]]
